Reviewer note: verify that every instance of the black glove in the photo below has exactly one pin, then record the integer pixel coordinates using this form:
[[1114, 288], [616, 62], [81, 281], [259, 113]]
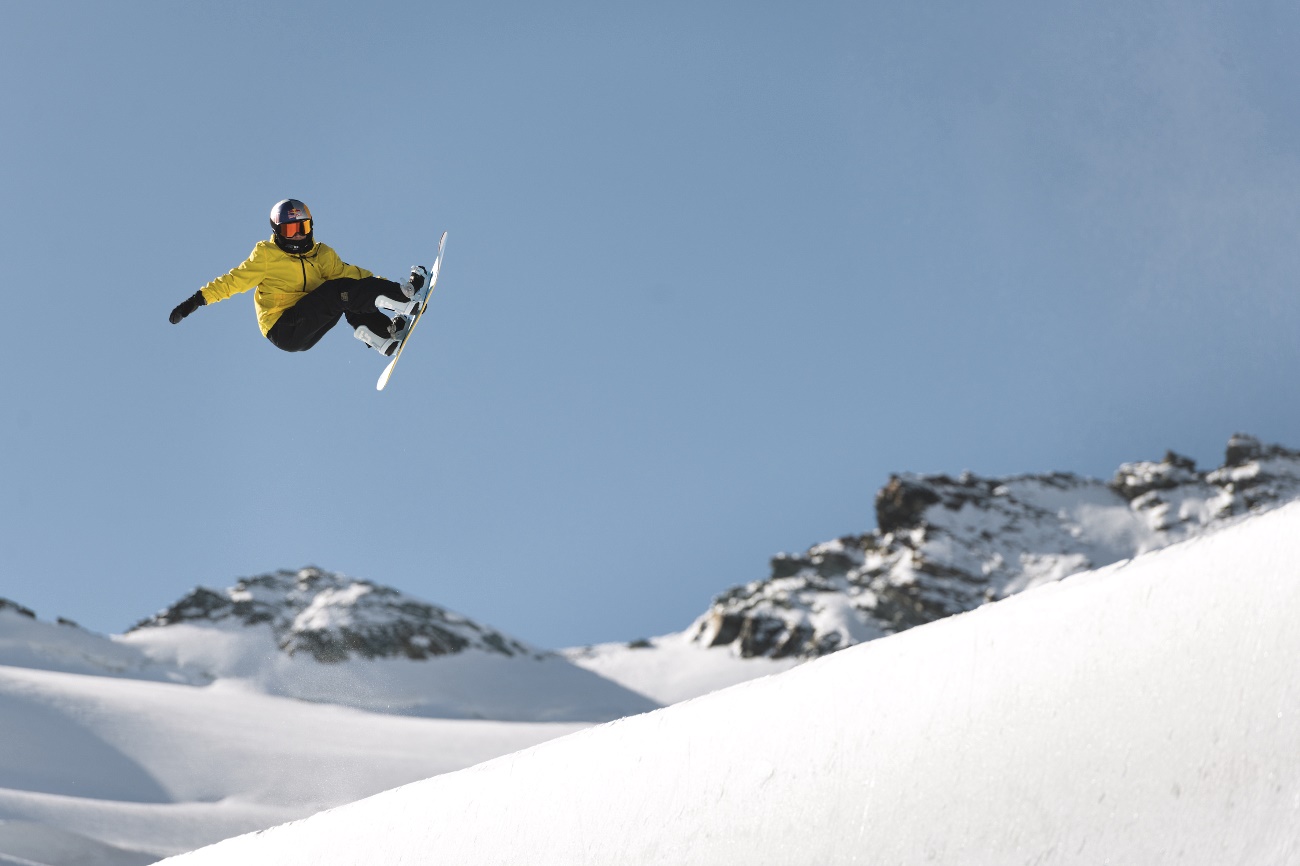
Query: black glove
[[187, 306]]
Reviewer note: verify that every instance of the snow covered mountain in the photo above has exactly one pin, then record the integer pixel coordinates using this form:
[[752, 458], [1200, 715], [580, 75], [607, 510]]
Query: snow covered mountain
[[1148, 712], [947, 545], [296, 691], [334, 618], [320, 636]]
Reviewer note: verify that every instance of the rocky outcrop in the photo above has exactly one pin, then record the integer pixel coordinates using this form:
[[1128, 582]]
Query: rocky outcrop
[[332, 618], [945, 545], [6, 604]]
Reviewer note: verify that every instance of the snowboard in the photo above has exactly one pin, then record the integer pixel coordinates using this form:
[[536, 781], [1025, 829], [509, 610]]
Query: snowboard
[[418, 314]]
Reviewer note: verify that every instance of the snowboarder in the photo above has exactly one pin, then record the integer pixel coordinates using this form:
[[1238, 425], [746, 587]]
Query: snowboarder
[[304, 288]]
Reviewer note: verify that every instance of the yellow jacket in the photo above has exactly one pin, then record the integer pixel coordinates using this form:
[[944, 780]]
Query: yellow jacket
[[282, 279]]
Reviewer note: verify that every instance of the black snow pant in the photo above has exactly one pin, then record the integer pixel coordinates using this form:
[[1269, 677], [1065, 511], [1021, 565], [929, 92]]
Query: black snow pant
[[301, 326]]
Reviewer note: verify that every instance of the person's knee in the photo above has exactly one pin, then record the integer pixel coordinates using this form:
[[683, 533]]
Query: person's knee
[[283, 345], [290, 336]]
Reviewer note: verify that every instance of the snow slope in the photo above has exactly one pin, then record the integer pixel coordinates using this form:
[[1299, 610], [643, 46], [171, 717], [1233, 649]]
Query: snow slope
[[1146, 713], [27, 642], [467, 685], [132, 770], [673, 667]]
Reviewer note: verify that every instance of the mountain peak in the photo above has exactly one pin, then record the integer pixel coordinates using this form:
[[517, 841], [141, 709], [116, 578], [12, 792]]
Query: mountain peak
[[332, 617]]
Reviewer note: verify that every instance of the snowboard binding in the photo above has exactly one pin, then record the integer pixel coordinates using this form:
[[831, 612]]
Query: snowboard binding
[[383, 345], [416, 289]]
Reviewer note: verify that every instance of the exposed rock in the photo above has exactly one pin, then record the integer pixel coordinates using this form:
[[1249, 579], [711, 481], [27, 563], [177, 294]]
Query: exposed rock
[[1134, 480], [902, 502], [945, 545], [333, 618], [6, 604], [1244, 449]]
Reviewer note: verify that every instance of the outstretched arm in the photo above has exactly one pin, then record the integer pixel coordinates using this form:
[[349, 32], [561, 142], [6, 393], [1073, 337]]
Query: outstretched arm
[[241, 279]]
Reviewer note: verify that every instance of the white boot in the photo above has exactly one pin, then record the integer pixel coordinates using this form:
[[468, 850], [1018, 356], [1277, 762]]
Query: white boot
[[416, 285], [388, 305], [382, 345]]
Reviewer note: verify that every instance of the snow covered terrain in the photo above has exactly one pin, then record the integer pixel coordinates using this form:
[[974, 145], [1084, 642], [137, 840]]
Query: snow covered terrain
[[674, 667], [1148, 712], [193, 727], [297, 691], [134, 770]]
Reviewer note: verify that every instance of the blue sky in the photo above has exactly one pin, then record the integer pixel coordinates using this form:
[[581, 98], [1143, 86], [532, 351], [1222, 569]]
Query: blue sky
[[714, 271]]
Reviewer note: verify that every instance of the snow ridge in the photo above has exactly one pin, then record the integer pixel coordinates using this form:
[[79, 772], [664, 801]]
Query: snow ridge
[[947, 545]]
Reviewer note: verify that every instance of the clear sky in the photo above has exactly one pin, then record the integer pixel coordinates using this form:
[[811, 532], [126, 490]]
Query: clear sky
[[714, 271]]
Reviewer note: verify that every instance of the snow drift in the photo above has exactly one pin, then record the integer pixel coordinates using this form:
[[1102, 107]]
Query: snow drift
[[1145, 713]]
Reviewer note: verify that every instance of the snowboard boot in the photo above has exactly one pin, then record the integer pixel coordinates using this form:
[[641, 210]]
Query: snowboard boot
[[383, 345], [388, 305], [415, 289], [418, 279]]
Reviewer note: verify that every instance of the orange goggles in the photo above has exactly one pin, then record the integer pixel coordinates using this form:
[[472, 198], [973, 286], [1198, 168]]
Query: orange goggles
[[297, 228]]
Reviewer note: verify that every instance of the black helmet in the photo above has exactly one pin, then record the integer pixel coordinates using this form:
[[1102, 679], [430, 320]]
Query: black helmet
[[291, 222]]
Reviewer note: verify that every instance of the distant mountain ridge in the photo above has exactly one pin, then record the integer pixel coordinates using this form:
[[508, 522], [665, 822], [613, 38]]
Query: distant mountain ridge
[[947, 545], [944, 545], [324, 637]]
